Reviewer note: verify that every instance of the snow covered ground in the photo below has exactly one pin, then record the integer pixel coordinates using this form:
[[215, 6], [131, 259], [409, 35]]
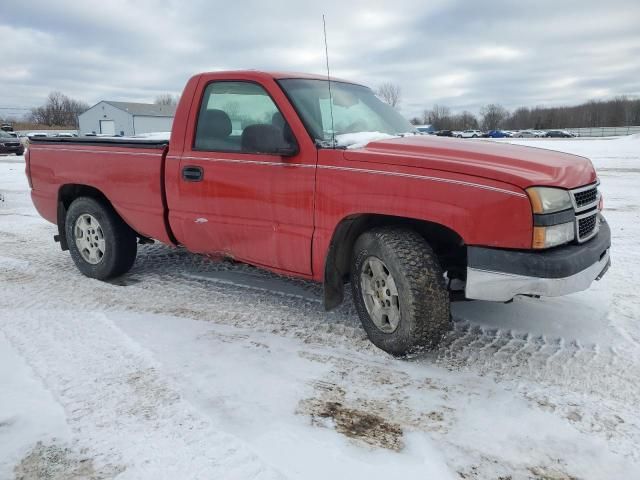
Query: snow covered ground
[[190, 368]]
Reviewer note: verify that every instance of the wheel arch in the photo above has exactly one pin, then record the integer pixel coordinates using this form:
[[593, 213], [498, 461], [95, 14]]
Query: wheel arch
[[66, 195], [446, 243]]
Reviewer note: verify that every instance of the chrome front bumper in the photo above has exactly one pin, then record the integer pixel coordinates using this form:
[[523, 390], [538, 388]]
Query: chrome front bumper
[[499, 275], [502, 287]]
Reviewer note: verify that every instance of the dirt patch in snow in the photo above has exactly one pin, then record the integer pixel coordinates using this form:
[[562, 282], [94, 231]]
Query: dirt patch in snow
[[356, 424], [51, 462], [151, 392], [532, 473], [550, 473]]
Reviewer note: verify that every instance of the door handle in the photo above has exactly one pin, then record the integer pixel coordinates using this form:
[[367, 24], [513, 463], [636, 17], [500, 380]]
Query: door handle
[[192, 174]]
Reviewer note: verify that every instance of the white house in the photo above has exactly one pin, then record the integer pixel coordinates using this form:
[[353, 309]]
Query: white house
[[126, 118]]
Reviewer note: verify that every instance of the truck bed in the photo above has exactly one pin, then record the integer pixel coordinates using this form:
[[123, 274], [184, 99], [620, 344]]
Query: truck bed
[[128, 171], [133, 142]]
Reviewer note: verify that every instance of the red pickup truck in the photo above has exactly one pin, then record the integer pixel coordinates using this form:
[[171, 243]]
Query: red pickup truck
[[321, 180]]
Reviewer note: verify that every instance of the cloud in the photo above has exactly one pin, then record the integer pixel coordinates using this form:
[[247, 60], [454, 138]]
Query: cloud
[[460, 54]]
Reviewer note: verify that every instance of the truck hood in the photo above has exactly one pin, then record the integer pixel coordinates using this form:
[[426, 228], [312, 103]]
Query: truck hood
[[514, 164]]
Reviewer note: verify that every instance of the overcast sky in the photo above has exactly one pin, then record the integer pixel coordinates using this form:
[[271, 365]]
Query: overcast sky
[[460, 54]]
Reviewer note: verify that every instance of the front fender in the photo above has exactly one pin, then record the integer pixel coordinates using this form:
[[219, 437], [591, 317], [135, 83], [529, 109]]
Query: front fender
[[480, 211]]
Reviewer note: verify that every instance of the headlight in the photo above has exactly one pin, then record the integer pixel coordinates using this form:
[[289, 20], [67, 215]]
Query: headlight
[[549, 200], [545, 200], [553, 235]]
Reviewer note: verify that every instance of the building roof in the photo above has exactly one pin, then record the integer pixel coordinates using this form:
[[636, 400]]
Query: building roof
[[145, 109]]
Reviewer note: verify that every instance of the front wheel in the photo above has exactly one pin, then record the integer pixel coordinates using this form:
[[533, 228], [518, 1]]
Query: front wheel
[[399, 291], [101, 245]]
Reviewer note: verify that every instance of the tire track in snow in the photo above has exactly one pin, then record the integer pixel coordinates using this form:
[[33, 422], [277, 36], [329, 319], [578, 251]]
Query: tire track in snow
[[162, 282], [120, 405], [165, 285]]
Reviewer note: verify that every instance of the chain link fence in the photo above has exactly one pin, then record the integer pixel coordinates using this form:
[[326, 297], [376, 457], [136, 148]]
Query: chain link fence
[[604, 131]]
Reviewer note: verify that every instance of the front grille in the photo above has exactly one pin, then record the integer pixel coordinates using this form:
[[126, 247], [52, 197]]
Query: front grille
[[586, 197], [587, 226], [11, 144]]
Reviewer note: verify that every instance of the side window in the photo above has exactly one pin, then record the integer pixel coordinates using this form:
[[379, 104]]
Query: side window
[[240, 117]]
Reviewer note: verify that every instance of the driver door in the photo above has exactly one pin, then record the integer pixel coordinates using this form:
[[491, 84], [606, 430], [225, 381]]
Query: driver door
[[236, 200]]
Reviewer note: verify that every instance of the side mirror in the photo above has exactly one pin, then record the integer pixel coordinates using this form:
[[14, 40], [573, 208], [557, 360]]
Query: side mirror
[[269, 139]]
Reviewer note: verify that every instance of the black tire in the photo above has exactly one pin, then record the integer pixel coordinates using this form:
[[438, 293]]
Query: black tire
[[422, 295], [120, 241]]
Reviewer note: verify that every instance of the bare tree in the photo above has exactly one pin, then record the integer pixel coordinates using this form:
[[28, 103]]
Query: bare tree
[[439, 116], [493, 115], [59, 110], [426, 117], [390, 93], [463, 121], [617, 112], [167, 99]]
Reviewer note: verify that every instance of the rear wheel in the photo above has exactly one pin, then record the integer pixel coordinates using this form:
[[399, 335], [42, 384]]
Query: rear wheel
[[399, 291], [101, 245]]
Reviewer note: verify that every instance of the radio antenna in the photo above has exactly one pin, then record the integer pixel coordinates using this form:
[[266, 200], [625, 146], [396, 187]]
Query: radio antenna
[[326, 56]]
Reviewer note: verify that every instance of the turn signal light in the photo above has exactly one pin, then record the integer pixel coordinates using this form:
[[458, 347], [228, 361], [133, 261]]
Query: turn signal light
[[553, 235], [536, 201], [539, 237]]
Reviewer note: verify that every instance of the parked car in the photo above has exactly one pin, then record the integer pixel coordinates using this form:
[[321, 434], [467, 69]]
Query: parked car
[[425, 129], [444, 133], [496, 134], [65, 135], [558, 134], [31, 135], [525, 134], [470, 134], [282, 194], [6, 127], [10, 144]]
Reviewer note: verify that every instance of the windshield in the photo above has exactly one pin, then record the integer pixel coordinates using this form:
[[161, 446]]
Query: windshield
[[4, 134], [355, 109]]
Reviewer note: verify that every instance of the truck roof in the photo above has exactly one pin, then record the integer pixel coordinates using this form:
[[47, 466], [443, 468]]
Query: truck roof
[[261, 74]]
